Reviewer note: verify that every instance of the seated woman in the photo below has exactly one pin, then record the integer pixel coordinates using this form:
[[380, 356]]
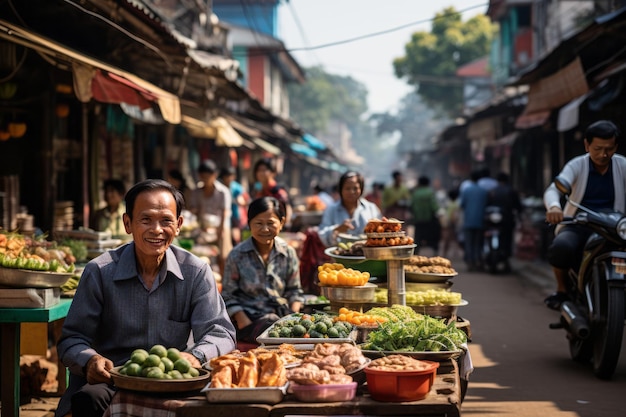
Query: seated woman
[[350, 214], [261, 281]]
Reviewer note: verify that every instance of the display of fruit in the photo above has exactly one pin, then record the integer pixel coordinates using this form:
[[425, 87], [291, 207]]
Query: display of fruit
[[349, 248], [335, 274], [158, 363], [21, 252], [315, 326], [396, 312], [359, 318], [431, 297]]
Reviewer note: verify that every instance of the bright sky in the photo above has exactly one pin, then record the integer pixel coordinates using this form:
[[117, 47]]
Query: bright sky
[[310, 23]]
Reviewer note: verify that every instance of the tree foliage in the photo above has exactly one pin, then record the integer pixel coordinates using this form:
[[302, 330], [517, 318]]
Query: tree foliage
[[432, 58], [325, 97]]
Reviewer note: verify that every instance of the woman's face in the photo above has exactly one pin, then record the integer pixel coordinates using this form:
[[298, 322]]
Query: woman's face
[[351, 190], [265, 226], [263, 174]]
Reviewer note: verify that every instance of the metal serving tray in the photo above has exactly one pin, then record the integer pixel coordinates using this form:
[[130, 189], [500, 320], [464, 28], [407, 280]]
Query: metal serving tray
[[264, 395], [24, 278], [265, 339], [389, 253]]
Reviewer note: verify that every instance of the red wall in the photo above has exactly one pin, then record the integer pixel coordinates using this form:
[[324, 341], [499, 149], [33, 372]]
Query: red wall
[[256, 74]]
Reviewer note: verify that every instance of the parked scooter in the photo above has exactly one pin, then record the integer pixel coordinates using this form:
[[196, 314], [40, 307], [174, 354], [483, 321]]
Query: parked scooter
[[494, 256], [594, 315]]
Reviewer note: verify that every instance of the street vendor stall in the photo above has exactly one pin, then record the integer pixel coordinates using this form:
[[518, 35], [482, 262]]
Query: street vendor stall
[[443, 400]]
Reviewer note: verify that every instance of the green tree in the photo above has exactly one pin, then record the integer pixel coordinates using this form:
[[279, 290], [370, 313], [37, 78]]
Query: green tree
[[325, 97], [432, 58]]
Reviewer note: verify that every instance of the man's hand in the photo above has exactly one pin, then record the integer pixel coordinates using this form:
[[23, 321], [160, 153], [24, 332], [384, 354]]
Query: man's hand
[[97, 370], [193, 361], [554, 215]]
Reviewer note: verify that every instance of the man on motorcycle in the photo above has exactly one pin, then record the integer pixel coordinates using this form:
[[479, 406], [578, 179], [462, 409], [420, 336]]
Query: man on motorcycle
[[598, 181]]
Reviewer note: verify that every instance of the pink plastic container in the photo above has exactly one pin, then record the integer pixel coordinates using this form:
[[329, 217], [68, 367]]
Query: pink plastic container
[[323, 392], [398, 386]]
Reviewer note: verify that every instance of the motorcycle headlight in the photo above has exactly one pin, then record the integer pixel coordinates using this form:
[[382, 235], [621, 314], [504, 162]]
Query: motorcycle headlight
[[621, 228]]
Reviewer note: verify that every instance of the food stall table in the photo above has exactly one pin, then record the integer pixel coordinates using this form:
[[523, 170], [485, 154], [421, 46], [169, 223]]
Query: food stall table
[[444, 400], [10, 321]]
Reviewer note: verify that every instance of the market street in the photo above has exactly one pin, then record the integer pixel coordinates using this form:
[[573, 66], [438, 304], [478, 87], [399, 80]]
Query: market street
[[523, 368]]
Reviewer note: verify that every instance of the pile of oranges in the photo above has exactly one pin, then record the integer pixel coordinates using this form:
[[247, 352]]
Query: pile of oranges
[[359, 319], [335, 274]]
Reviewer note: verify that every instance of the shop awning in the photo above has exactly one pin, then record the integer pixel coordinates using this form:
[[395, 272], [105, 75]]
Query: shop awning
[[168, 103], [303, 150], [557, 89], [266, 146], [530, 120], [314, 142], [217, 128]]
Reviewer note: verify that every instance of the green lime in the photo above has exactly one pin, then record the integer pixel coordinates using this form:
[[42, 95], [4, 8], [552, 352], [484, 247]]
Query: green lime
[[159, 350], [152, 360], [167, 363], [173, 354], [175, 374], [182, 365], [133, 369], [155, 373], [139, 356], [194, 372]]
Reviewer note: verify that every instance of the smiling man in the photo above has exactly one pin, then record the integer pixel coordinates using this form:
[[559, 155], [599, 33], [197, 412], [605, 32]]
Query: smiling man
[[138, 295]]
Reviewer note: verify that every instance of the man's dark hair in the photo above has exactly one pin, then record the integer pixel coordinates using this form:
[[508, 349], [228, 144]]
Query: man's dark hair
[[603, 129], [423, 181], [269, 163], [396, 174], [152, 185], [207, 166], [115, 185]]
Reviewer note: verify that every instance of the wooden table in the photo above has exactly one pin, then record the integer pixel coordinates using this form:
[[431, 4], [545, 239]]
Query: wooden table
[[444, 400], [10, 320]]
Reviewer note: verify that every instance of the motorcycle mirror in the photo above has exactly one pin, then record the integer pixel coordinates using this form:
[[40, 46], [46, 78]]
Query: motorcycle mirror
[[563, 185]]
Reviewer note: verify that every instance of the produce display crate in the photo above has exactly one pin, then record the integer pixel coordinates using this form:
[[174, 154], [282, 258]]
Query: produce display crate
[[29, 297]]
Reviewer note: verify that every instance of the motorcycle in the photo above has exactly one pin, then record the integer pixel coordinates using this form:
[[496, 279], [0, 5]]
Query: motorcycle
[[494, 256], [593, 317]]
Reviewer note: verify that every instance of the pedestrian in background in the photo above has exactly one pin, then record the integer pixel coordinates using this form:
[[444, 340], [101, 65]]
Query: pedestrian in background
[[265, 185], [396, 198], [239, 202], [211, 203], [507, 200], [450, 225], [376, 194], [110, 217], [350, 214], [425, 212], [473, 203]]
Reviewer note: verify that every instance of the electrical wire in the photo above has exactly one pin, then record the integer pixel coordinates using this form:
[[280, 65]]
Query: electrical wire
[[384, 32], [124, 31], [300, 27]]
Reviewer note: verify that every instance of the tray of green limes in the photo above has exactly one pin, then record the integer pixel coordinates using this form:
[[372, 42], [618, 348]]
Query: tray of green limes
[[298, 328]]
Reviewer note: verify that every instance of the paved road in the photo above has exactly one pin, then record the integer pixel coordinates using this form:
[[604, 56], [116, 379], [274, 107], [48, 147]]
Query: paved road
[[522, 368]]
